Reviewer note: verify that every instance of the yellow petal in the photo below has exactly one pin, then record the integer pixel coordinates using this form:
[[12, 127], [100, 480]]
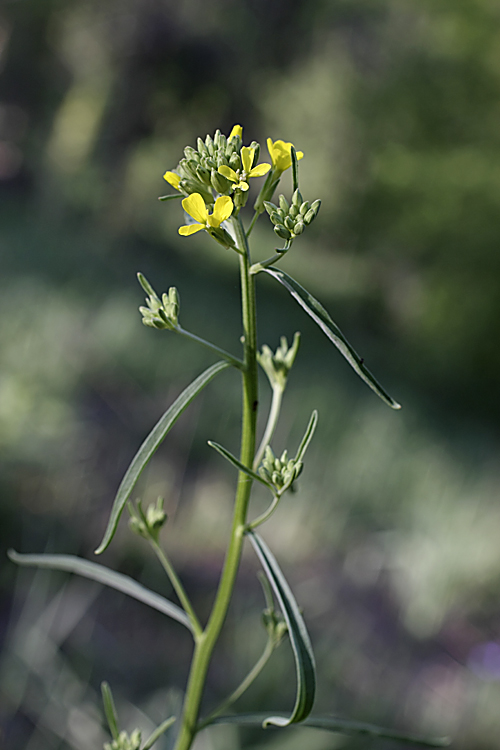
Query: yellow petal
[[173, 179], [223, 209], [194, 205], [260, 170], [188, 229], [243, 186], [247, 155], [237, 130], [280, 153], [228, 173]]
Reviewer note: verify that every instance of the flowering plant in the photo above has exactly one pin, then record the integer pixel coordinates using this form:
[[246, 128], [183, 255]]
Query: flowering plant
[[213, 182]]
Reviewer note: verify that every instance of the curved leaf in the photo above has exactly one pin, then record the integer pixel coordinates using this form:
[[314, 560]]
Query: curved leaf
[[299, 637], [237, 463], [342, 726], [106, 576], [150, 445], [320, 316]]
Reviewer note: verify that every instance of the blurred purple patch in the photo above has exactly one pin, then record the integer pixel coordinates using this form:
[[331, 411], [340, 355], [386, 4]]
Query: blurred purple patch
[[484, 661]]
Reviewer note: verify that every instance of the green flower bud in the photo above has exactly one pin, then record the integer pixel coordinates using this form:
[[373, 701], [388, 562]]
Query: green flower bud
[[284, 204], [298, 228], [289, 223], [191, 153], [217, 138], [304, 208], [270, 207], [219, 182], [256, 148], [297, 198], [202, 149], [203, 175], [313, 212], [210, 145], [234, 162], [276, 218], [294, 211], [282, 232]]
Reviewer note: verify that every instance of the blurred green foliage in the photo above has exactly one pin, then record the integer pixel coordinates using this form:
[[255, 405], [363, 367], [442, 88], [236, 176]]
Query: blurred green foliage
[[392, 539]]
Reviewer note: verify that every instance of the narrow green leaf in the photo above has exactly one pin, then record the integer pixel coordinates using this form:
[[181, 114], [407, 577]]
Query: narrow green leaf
[[170, 197], [320, 316], [299, 637], [241, 467], [150, 445], [158, 733], [110, 710], [106, 576], [308, 436], [342, 727]]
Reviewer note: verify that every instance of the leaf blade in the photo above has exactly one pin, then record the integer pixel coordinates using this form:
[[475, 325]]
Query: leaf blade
[[151, 444], [299, 637], [237, 463], [105, 576], [321, 317], [342, 726]]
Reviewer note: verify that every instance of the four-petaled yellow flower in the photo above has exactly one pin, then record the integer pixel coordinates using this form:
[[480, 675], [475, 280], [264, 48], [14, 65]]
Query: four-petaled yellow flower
[[173, 179], [281, 154], [194, 205], [241, 176]]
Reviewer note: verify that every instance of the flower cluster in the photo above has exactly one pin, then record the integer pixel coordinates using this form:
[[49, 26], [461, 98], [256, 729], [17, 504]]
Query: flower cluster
[[222, 164], [278, 365], [162, 313], [290, 220], [125, 742], [280, 472]]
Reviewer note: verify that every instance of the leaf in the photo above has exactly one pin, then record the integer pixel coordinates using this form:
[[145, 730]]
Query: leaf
[[110, 710], [106, 576], [299, 637], [150, 445], [158, 733], [308, 436], [170, 197], [237, 463], [320, 316], [342, 726]]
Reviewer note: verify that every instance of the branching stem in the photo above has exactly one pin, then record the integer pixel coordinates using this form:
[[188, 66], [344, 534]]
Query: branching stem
[[272, 421]]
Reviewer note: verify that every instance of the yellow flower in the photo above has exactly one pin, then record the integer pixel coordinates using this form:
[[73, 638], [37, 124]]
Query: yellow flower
[[173, 179], [281, 156], [194, 205], [241, 176], [236, 131]]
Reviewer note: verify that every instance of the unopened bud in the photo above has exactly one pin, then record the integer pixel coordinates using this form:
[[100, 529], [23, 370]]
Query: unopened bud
[[219, 182], [284, 204], [282, 232], [297, 198]]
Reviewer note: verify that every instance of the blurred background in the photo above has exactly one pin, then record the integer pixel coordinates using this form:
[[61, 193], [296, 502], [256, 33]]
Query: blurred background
[[392, 543]]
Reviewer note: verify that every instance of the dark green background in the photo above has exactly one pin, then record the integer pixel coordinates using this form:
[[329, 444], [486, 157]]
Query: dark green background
[[392, 542]]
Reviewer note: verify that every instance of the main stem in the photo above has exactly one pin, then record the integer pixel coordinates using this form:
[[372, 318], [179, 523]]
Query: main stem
[[205, 643]]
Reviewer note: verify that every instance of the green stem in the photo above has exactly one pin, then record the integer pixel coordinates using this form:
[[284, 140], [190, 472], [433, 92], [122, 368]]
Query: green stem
[[178, 588], [233, 360], [244, 684], [272, 421], [267, 514], [204, 645], [252, 223]]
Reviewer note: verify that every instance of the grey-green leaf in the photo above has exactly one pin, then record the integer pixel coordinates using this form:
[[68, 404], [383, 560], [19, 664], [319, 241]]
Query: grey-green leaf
[[110, 710], [150, 445], [237, 463], [299, 637], [106, 576], [155, 736], [170, 197], [342, 727], [308, 436], [321, 317]]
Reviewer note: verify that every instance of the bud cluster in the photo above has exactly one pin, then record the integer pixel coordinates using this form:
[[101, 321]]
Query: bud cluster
[[275, 625], [147, 524], [198, 170], [162, 313], [278, 365], [280, 472], [125, 742], [290, 220]]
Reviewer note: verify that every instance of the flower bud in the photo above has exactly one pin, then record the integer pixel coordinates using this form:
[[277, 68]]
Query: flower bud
[[202, 149], [284, 204], [203, 175], [282, 232], [210, 145], [234, 161], [289, 222], [256, 148], [191, 153], [298, 228], [219, 182], [297, 198], [304, 208]]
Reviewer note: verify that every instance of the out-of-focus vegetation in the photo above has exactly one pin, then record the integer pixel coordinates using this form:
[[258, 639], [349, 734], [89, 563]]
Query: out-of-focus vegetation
[[392, 539]]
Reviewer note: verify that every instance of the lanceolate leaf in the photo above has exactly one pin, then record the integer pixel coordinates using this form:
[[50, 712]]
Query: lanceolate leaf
[[320, 316], [299, 637], [150, 445], [341, 726], [237, 463], [106, 576]]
